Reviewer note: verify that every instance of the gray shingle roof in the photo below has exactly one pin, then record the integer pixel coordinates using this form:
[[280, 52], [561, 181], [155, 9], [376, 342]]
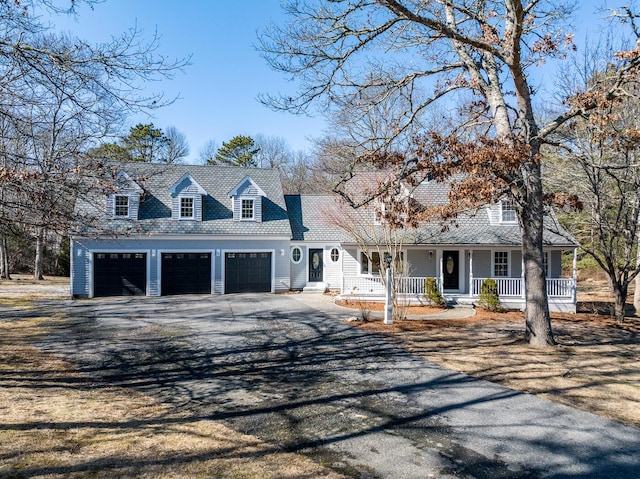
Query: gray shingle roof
[[309, 223], [154, 217], [301, 217]]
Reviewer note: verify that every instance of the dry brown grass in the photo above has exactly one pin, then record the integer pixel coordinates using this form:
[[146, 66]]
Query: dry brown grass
[[23, 289], [56, 423], [594, 368]]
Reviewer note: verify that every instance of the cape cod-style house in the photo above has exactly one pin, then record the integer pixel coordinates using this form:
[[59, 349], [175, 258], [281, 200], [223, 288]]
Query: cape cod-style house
[[185, 229]]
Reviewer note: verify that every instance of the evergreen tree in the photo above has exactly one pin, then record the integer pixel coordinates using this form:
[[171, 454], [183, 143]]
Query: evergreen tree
[[239, 151]]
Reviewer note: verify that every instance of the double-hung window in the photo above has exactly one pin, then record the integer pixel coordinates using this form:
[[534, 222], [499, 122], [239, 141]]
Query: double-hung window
[[508, 212], [186, 208], [501, 263], [246, 209], [121, 206], [370, 267]]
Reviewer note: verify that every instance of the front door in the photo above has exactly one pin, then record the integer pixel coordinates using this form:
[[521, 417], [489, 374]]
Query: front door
[[450, 266], [315, 265]]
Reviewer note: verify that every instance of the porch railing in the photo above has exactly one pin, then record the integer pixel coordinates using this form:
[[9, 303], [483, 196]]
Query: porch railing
[[560, 287], [373, 285], [556, 287], [414, 285], [506, 286]]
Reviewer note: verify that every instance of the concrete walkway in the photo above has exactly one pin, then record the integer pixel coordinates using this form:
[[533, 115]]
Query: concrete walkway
[[288, 370], [324, 301]]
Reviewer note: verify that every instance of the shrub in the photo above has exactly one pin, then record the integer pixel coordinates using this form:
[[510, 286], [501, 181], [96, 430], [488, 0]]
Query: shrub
[[432, 293], [363, 306], [489, 298]]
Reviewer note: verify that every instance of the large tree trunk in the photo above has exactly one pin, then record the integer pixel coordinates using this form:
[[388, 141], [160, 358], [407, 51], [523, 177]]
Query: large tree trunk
[[537, 320], [38, 272], [620, 292], [4, 257], [636, 293]]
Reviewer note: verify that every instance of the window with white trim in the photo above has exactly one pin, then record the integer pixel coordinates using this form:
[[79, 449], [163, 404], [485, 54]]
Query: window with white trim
[[334, 254], [121, 206], [186, 207], [370, 267], [501, 263], [296, 254], [246, 209], [508, 212]]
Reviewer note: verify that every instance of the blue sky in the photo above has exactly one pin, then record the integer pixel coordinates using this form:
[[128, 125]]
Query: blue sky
[[218, 91]]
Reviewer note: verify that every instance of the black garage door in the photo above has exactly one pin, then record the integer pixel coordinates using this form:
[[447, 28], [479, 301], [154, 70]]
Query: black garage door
[[186, 273], [119, 274], [247, 273]]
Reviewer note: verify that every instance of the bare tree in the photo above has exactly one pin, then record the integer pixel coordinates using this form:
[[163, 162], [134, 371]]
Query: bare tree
[[274, 151], [380, 230], [208, 152], [61, 95], [598, 170], [361, 52], [177, 146]]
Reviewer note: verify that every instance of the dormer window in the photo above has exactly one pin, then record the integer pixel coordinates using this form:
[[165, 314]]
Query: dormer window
[[186, 208], [247, 211], [124, 202], [186, 199], [247, 201], [508, 212], [378, 212], [121, 206]]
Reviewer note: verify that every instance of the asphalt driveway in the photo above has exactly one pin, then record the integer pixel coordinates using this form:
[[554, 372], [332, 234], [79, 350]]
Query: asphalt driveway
[[286, 369]]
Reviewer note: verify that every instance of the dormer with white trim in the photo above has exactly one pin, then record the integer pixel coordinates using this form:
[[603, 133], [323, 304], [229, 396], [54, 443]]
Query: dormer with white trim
[[503, 213], [124, 202], [186, 199], [246, 201]]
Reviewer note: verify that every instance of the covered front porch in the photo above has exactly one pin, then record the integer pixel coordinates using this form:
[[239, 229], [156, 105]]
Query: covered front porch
[[459, 274]]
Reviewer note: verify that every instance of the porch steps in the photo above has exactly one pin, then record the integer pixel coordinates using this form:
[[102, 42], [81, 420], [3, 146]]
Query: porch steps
[[315, 288], [455, 301]]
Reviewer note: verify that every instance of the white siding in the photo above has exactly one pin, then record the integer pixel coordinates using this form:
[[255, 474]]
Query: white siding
[[420, 264], [515, 256], [299, 271], [555, 264], [333, 271], [351, 264], [482, 264]]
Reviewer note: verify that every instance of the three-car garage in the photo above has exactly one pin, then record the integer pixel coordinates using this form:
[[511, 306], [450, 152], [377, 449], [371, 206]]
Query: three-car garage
[[127, 273]]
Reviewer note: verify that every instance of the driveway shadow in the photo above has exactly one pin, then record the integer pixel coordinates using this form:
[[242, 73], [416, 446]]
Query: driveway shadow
[[294, 376]]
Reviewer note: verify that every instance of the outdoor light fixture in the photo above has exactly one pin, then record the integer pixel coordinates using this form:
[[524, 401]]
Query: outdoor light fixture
[[430, 254]]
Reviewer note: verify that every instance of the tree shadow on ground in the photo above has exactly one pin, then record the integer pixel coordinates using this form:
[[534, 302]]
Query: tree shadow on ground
[[295, 379]]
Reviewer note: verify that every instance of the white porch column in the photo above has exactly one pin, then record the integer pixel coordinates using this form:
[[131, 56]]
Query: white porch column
[[522, 284], [471, 273], [342, 251], [441, 274], [574, 288]]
